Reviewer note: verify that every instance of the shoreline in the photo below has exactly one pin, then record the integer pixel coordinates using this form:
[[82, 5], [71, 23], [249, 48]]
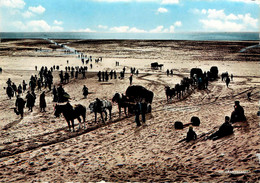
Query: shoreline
[[134, 40], [137, 36]]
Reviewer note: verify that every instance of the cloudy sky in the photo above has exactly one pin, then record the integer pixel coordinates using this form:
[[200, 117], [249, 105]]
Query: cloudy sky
[[134, 16]]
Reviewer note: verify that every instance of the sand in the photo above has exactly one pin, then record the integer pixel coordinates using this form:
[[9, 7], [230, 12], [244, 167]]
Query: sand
[[40, 148]]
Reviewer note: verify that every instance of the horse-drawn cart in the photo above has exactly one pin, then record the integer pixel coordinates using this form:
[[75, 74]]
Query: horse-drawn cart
[[156, 66], [133, 95]]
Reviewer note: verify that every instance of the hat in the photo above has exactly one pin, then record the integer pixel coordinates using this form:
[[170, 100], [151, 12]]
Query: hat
[[237, 102], [227, 118]]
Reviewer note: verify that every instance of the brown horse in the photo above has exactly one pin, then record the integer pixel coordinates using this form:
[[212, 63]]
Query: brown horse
[[71, 113]]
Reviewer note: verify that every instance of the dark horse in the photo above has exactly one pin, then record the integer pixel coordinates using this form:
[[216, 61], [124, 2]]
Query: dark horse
[[105, 105], [122, 102], [136, 92], [170, 92], [70, 114], [178, 90]]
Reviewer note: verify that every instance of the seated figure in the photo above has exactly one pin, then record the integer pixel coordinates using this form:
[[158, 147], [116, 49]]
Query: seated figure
[[238, 113], [225, 129], [191, 135]]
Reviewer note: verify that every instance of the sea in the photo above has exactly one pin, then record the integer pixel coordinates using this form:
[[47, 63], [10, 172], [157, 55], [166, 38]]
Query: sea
[[197, 36]]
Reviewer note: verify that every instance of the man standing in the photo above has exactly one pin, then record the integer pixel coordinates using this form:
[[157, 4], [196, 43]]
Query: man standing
[[131, 79], [85, 91], [42, 102], [227, 81], [30, 101], [55, 95], [137, 113], [19, 103]]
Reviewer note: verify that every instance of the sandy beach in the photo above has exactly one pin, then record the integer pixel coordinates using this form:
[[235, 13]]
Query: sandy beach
[[39, 147]]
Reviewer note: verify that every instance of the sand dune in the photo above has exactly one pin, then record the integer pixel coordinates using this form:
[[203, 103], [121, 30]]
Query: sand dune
[[40, 148]]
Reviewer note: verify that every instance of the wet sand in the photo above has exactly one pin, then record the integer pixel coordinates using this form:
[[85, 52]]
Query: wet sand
[[40, 148]]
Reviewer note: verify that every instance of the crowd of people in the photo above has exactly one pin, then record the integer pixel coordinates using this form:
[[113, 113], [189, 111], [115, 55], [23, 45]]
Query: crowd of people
[[45, 79]]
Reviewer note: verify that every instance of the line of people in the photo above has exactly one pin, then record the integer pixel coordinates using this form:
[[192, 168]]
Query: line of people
[[105, 75]]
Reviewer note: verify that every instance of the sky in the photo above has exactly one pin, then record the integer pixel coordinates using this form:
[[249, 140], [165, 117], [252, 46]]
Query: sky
[[129, 16]]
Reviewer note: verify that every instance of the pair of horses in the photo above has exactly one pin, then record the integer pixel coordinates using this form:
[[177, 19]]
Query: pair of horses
[[71, 113], [179, 89]]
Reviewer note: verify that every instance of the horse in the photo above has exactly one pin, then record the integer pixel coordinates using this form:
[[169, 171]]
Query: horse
[[170, 92], [71, 113], [122, 102], [187, 82], [224, 76], [182, 88], [105, 105], [178, 90]]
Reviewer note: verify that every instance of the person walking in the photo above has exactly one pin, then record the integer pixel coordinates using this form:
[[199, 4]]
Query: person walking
[[19, 104], [42, 102], [227, 81], [30, 101], [85, 91], [131, 79]]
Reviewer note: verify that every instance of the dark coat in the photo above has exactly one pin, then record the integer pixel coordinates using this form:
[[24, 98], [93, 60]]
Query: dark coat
[[42, 101], [191, 135], [19, 103], [225, 129], [238, 114], [30, 100]]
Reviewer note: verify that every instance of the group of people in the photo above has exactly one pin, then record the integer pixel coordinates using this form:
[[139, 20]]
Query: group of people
[[225, 77], [12, 90], [72, 73], [226, 128], [45, 79], [168, 72], [30, 103], [201, 81], [133, 70], [59, 94], [105, 75]]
